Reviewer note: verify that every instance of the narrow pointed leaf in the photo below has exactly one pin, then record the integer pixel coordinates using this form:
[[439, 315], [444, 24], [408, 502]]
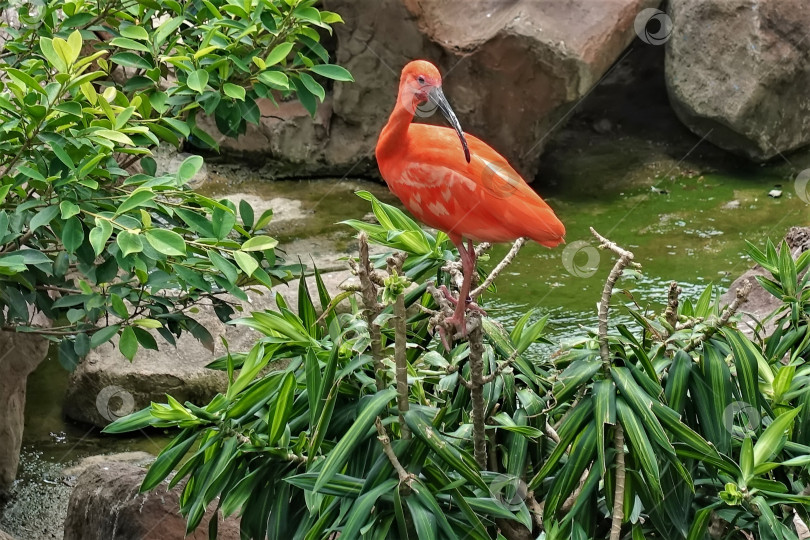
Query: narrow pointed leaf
[[354, 436], [283, 408]]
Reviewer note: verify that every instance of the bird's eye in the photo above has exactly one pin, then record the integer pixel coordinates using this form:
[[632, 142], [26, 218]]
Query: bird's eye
[[421, 79]]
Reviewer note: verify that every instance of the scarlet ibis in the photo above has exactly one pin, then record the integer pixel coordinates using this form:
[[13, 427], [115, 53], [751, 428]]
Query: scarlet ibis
[[467, 190]]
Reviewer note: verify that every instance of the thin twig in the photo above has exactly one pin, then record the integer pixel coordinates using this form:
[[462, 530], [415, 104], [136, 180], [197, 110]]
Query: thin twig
[[507, 260], [454, 369], [618, 493], [382, 435], [671, 313], [502, 366], [625, 259], [19, 242], [372, 309], [400, 348], [477, 390], [569, 502], [731, 309], [551, 433]]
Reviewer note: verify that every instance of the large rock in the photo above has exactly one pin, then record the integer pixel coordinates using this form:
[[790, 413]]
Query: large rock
[[760, 302], [20, 354], [512, 71], [738, 72], [5, 536], [106, 505], [106, 386]]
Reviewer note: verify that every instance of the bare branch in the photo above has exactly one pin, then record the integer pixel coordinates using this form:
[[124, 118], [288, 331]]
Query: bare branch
[[401, 362], [552, 434], [477, 390], [691, 323], [372, 308], [625, 259], [482, 248], [502, 366], [731, 309], [671, 313], [382, 435], [507, 260], [618, 493], [569, 502], [536, 509]]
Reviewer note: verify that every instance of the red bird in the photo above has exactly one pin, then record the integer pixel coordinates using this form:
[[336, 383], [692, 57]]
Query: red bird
[[468, 191]]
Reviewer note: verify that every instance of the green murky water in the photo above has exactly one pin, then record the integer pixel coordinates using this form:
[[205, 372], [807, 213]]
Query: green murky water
[[682, 225]]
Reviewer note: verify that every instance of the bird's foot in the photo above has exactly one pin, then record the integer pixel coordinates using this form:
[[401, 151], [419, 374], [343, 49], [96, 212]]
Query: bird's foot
[[469, 302], [443, 336], [472, 306], [459, 323], [448, 295]]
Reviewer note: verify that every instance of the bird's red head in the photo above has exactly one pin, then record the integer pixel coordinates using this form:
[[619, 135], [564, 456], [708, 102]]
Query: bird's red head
[[418, 79], [420, 92]]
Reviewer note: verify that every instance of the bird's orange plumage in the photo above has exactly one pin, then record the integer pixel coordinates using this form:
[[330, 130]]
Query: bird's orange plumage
[[484, 199]]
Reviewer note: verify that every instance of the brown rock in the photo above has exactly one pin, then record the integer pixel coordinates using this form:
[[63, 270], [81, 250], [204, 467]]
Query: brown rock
[[760, 302], [512, 71], [6, 536], [738, 71], [518, 67], [20, 354], [106, 505]]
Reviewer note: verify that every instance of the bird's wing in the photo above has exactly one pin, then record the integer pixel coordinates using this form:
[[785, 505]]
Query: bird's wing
[[485, 199]]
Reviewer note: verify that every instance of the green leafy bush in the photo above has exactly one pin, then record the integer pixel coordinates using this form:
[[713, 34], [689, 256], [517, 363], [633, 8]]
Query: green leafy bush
[[88, 89], [651, 431]]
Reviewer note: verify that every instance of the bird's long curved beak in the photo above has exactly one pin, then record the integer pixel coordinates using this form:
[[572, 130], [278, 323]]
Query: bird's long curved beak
[[437, 96]]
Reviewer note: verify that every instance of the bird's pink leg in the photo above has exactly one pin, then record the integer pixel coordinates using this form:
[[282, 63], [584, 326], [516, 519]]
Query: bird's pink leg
[[467, 257]]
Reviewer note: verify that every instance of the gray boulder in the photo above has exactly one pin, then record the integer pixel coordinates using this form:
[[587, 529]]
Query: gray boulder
[[106, 505], [738, 71]]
